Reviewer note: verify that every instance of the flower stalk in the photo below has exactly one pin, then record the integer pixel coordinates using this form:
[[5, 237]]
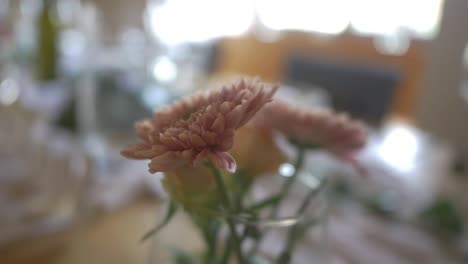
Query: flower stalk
[[200, 138], [230, 210]]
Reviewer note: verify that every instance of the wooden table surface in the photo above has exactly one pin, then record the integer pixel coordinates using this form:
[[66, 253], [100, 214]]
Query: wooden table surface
[[110, 238], [114, 238]]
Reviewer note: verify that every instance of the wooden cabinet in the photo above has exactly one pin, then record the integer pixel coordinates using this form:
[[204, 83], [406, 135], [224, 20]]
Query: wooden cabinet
[[248, 55]]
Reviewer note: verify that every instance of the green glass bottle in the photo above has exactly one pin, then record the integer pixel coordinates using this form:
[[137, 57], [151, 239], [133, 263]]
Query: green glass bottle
[[47, 52]]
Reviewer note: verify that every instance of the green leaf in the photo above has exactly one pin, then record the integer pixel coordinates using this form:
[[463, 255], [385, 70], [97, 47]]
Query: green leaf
[[264, 203], [171, 209]]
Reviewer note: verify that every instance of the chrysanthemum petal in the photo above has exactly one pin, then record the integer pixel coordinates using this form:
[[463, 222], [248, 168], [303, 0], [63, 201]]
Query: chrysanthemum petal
[[333, 131], [200, 127]]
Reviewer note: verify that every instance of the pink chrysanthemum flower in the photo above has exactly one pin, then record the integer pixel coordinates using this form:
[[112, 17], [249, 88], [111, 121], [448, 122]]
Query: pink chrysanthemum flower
[[200, 127], [335, 132]]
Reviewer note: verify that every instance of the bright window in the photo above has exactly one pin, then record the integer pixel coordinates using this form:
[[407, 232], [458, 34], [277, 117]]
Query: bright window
[[178, 21], [418, 18]]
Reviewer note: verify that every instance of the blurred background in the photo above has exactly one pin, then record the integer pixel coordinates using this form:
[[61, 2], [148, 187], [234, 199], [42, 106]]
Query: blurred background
[[76, 74]]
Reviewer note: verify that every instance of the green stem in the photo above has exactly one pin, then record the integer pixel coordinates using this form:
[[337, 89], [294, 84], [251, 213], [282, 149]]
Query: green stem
[[240, 189], [227, 203], [227, 251], [211, 244], [209, 234]]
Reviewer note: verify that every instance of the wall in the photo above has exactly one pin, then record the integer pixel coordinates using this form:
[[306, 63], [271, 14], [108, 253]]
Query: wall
[[441, 109]]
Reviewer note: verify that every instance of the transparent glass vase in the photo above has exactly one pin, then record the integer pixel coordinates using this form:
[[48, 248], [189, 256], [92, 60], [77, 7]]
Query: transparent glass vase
[[291, 231]]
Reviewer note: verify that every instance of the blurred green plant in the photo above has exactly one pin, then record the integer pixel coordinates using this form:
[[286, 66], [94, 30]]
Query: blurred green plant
[[442, 218]]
